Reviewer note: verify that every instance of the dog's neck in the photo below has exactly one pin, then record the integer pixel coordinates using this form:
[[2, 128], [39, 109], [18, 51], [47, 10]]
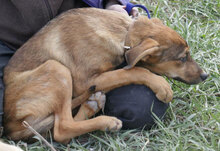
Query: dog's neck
[[129, 41], [127, 44]]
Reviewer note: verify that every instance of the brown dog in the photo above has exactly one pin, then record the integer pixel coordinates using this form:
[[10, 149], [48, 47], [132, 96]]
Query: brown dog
[[75, 56]]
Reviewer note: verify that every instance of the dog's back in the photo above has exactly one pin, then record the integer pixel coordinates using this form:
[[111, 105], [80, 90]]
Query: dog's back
[[73, 33]]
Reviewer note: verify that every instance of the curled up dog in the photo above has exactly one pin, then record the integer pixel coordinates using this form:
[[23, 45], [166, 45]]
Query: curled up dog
[[71, 62]]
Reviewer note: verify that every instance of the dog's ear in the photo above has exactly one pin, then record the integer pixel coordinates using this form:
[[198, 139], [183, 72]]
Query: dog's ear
[[143, 51]]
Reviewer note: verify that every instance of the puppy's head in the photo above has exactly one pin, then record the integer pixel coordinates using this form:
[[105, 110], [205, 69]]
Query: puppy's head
[[161, 50]]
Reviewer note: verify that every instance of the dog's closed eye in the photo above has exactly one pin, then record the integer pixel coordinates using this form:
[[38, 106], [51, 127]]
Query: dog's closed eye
[[183, 59]]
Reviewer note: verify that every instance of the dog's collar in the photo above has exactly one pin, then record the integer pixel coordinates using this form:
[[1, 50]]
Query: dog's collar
[[127, 47], [128, 8]]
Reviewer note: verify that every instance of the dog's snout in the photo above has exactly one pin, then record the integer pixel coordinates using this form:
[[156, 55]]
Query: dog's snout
[[204, 76]]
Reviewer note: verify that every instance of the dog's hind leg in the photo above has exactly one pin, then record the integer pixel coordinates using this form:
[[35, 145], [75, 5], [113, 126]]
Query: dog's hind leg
[[45, 98], [34, 96], [67, 127]]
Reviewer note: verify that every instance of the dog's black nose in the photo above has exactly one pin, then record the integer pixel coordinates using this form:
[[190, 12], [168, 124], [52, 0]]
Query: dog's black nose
[[204, 76]]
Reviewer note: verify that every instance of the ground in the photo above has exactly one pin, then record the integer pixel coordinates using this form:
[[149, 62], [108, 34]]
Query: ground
[[193, 119]]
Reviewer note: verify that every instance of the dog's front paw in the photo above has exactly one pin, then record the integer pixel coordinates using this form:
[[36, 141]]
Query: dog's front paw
[[162, 89], [109, 123]]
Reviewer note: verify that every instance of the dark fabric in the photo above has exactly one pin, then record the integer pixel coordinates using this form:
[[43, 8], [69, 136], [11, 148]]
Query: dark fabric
[[134, 105], [5, 55], [20, 19]]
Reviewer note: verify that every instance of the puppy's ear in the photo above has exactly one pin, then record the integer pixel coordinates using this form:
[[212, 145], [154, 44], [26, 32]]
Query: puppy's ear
[[144, 50]]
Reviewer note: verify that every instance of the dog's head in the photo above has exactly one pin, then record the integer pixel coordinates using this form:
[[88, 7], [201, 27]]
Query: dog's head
[[161, 50]]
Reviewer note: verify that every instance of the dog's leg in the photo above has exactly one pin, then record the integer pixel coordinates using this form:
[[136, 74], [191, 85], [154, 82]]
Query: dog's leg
[[113, 79], [33, 95], [137, 75], [66, 127], [91, 107]]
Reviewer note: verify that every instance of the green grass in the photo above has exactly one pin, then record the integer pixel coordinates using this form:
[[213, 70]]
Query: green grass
[[193, 120]]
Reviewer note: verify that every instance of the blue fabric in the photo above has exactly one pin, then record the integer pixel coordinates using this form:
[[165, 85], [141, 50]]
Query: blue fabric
[[129, 7], [99, 3], [5, 54]]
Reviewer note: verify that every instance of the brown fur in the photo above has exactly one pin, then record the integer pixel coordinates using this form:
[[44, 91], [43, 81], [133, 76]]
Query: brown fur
[[74, 56]]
